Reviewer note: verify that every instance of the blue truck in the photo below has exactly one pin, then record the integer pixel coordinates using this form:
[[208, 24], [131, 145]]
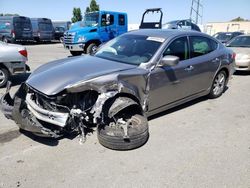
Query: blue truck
[[96, 28]]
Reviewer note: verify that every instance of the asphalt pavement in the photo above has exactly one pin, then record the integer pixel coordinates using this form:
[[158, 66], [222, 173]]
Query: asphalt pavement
[[204, 143]]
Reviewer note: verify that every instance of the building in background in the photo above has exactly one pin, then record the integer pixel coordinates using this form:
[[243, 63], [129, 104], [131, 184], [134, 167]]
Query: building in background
[[214, 27]]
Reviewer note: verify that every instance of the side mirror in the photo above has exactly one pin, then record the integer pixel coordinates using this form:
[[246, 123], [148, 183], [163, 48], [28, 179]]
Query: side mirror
[[169, 60]]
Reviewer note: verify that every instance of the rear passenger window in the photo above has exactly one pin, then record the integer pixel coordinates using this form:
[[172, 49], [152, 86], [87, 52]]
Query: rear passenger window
[[200, 46], [179, 48], [214, 45], [121, 19]]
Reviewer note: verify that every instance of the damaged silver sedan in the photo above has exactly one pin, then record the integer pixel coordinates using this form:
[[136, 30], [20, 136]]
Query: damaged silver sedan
[[136, 75]]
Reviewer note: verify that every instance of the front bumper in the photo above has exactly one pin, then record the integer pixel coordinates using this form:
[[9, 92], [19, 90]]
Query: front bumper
[[74, 47], [18, 110]]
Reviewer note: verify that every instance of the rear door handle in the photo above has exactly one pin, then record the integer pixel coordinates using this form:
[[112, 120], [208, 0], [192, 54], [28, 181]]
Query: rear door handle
[[189, 68]]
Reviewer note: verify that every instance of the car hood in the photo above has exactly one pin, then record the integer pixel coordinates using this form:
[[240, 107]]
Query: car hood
[[54, 77]]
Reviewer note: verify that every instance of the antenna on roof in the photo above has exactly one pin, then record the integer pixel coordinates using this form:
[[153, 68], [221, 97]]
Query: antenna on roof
[[196, 12]]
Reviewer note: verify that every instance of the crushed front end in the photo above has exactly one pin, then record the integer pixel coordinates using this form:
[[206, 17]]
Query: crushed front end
[[49, 116]]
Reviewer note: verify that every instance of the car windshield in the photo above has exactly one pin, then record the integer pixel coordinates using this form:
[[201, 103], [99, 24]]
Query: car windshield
[[173, 22], [223, 36], [130, 49], [242, 41], [91, 19], [60, 29], [43, 26]]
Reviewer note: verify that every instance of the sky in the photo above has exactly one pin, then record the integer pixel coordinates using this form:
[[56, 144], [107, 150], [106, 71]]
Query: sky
[[213, 10]]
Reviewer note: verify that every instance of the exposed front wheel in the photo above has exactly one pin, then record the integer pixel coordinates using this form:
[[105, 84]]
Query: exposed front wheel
[[218, 85], [4, 77], [76, 53], [92, 48], [124, 134]]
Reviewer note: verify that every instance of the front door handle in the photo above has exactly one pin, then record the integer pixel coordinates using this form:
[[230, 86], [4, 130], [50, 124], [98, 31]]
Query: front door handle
[[189, 68]]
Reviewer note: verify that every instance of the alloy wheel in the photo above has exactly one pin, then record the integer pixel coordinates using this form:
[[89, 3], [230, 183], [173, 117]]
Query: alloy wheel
[[219, 84], [2, 77]]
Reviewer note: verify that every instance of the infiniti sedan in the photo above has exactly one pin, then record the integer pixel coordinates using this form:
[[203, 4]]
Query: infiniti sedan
[[131, 77]]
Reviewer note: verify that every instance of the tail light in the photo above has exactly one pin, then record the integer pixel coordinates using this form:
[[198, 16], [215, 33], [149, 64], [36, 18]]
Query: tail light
[[23, 53], [233, 56], [13, 34]]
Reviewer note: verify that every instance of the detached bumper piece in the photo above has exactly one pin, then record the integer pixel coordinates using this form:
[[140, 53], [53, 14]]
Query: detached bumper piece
[[16, 109]]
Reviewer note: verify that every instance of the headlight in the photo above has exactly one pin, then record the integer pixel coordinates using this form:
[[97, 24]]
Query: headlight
[[81, 39]]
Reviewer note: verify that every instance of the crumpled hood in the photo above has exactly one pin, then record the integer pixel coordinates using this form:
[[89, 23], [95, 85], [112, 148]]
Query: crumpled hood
[[54, 77]]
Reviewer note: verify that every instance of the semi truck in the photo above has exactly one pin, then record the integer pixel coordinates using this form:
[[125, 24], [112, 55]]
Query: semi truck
[[96, 28]]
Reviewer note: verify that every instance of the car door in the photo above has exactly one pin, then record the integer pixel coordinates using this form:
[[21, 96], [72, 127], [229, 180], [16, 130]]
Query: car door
[[107, 23], [169, 84], [205, 60]]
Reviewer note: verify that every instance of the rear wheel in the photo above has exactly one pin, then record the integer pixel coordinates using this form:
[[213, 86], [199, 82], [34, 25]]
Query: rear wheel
[[76, 53], [5, 40], [218, 85], [114, 136], [92, 48], [4, 77]]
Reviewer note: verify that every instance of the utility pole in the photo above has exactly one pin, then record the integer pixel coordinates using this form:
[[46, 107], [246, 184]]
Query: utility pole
[[196, 12]]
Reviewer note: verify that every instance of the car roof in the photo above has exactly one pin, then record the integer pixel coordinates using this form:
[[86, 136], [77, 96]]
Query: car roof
[[248, 35], [165, 33], [229, 32]]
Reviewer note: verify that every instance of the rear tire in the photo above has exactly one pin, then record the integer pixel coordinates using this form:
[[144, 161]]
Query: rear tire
[[76, 53], [112, 137], [4, 76], [218, 86], [5, 40]]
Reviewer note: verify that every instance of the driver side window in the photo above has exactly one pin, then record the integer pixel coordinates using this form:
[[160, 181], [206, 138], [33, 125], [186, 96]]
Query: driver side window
[[179, 48]]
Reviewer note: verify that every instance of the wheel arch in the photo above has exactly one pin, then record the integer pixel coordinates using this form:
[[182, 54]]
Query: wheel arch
[[120, 102], [2, 65], [96, 41]]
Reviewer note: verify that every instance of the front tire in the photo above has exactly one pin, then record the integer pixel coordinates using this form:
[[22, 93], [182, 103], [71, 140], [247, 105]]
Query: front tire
[[4, 76], [219, 84], [91, 49], [112, 137], [76, 53]]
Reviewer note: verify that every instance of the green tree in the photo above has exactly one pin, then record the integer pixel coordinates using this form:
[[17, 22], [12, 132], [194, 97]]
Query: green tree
[[87, 10], [77, 15], [238, 19], [92, 7]]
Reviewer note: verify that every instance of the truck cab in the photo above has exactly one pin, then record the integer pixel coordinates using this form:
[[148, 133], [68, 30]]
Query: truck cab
[[96, 28]]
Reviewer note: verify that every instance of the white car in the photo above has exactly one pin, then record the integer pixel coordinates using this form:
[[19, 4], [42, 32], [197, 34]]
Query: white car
[[241, 46], [12, 61]]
